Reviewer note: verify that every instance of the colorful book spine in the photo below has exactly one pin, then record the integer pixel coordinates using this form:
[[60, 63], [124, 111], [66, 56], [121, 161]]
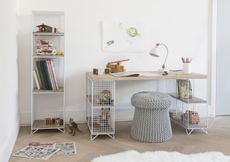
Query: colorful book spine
[[40, 72], [51, 74], [46, 74], [39, 78], [54, 74], [36, 80]]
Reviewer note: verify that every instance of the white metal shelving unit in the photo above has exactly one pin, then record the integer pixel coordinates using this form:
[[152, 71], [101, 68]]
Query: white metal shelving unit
[[100, 107], [48, 104], [191, 113]]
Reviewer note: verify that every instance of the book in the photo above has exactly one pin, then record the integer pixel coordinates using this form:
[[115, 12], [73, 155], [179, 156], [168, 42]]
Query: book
[[46, 75], [40, 75], [39, 78], [36, 80], [51, 74], [54, 74], [184, 89], [41, 70]]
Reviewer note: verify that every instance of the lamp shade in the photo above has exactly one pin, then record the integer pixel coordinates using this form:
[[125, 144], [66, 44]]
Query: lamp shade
[[154, 52]]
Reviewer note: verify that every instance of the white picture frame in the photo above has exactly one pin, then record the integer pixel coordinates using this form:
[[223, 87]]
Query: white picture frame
[[122, 37]]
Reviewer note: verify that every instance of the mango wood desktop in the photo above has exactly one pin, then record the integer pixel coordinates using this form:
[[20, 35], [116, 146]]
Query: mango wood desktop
[[100, 100], [154, 76]]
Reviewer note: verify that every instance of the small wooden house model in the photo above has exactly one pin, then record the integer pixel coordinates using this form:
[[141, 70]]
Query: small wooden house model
[[44, 28]]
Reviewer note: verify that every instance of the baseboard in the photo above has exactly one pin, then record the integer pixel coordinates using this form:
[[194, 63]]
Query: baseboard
[[8, 145], [211, 112]]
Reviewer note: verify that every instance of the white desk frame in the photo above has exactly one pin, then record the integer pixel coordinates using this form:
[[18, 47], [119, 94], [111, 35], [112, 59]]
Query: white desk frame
[[91, 79]]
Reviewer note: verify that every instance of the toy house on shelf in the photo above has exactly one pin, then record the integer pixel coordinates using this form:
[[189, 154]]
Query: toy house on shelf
[[44, 28]]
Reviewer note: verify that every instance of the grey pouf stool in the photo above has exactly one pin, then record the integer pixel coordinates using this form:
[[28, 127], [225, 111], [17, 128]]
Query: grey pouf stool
[[151, 121]]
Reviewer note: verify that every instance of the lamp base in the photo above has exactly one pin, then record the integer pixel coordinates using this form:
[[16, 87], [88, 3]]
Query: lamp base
[[165, 73]]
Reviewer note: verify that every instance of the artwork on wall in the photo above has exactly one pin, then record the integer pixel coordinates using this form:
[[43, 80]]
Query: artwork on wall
[[121, 37]]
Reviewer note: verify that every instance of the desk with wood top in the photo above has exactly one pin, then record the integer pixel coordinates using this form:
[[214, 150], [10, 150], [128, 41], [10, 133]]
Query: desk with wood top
[[100, 98], [148, 76]]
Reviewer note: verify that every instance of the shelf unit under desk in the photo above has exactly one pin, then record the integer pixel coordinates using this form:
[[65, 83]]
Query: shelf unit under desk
[[93, 81]]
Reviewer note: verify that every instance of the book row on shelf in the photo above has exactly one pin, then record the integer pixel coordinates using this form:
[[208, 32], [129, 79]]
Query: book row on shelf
[[45, 76]]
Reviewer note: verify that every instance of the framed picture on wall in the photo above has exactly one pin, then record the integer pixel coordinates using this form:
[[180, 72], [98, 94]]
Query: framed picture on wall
[[122, 37]]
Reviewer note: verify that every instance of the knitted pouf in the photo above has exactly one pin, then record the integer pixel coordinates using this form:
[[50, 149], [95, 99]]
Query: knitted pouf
[[151, 121]]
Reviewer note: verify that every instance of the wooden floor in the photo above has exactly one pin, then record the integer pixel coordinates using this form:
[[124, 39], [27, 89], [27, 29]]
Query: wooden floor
[[217, 139]]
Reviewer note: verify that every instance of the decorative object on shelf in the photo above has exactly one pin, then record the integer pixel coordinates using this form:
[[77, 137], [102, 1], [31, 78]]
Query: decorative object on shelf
[[45, 47], [191, 116], [105, 97], [44, 28], [53, 121], [184, 89], [60, 53], [48, 121], [95, 71], [104, 117], [61, 121], [155, 53], [186, 64], [116, 66], [107, 71], [55, 30], [73, 127], [57, 121]]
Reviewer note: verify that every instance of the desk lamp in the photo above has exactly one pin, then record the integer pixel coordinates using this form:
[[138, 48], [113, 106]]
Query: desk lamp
[[155, 53]]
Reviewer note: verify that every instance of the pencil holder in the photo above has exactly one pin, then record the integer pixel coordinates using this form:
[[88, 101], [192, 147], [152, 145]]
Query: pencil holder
[[186, 67]]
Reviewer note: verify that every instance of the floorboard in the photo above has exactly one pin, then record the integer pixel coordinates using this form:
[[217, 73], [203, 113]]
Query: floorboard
[[217, 139]]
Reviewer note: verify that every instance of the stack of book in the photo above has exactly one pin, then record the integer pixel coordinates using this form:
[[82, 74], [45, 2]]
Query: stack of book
[[44, 75], [45, 47]]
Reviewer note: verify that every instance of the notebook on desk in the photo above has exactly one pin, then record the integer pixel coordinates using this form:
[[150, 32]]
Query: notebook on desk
[[134, 74], [125, 74]]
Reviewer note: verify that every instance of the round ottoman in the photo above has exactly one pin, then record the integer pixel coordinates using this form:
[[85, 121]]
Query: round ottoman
[[151, 121]]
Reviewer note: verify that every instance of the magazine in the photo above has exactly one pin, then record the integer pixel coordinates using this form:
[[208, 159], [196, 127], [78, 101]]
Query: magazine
[[48, 145], [36, 152], [43, 151], [67, 148], [184, 89], [21, 153]]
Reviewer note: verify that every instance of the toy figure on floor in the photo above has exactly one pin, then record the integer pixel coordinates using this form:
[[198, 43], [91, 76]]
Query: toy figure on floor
[[73, 127]]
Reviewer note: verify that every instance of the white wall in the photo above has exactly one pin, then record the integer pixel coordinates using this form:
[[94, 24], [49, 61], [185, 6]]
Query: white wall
[[9, 119], [182, 25], [222, 58]]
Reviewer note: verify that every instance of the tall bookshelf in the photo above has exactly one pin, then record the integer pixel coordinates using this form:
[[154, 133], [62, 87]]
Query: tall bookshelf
[[47, 71]]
